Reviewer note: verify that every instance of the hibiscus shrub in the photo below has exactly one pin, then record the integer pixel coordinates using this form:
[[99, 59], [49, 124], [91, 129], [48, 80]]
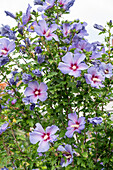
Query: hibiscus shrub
[[54, 89]]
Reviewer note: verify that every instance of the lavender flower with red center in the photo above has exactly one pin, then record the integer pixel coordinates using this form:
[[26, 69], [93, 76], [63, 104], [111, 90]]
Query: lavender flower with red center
[[94, 77], [43, 30], [67, 153], [106, 69], [73, 64], [46, 5], [36, 91], [26, 17], [6, 47], [43, 136], [74, 124]]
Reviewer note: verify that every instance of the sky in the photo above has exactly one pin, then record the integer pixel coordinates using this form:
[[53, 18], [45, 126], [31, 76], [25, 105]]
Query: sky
[[90, 11]]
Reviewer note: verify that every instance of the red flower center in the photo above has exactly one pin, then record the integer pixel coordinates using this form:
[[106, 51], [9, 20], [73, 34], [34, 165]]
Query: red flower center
[[74, 67], [75, 126], [37, 92], [95, 79], [4, 51], [46, 136], [106, 71]]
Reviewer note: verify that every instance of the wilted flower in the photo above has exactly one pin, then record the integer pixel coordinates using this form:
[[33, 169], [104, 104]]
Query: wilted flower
[[43, 136], [3, 60], [38, 2], [36, 91], [99, 27], [7, 32], [26, 17], [10, 14], [67, 153], [73, 64], [37, 72], [95, 120], [46, 5], [26, 78], [3, 127], [75, 124], [40, 58], [66, 4]]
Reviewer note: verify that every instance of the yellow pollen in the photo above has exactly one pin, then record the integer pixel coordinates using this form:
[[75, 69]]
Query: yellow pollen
[[75, 126], [4, 51], [47, 33], [96, 79], [32, 28], [45, 137], [74, 67]]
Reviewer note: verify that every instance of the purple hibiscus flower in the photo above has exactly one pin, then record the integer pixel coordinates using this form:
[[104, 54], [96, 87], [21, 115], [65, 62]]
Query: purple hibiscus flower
[[67, 153], [6, 47], [44, 30], [3, 127], [46, 5], [74, 124], [36, 91], [95, 120], [106, 69], [26, 17], [94, 77], [43, 136], [72, 64]]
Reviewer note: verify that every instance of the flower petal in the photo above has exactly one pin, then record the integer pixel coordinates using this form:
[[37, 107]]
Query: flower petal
[[42, 96], [42, 87], [52, 129], [73, 117], [34, 85], [68, 58], [39, 128], [69, 133], [35, 137], [28, 91], [64, 68], [43, 146]]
